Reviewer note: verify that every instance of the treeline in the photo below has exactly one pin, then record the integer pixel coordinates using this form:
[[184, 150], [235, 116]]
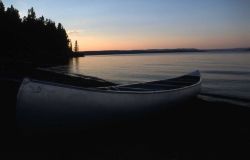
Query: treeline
[[32, 38], [110, 52]]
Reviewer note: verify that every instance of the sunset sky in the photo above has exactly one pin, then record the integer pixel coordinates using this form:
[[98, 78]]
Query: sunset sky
[[144, 24]]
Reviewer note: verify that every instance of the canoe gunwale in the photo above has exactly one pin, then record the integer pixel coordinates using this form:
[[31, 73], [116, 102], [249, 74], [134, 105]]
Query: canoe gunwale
[[113, 91]]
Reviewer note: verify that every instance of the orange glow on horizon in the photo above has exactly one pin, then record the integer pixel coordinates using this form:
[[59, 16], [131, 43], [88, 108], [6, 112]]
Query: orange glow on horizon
[[95, 43]]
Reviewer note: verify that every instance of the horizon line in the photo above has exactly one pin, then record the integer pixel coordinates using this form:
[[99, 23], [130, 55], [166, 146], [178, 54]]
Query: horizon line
[[233, 48]]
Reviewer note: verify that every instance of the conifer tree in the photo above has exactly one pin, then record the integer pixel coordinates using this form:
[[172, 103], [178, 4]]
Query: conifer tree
[[2, 9], [70, 45], [13, 14], [76, 49], [31, 14], [32, 38]]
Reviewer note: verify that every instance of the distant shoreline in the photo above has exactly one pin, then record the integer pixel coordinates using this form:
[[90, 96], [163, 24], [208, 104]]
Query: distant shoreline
[[184, 50]]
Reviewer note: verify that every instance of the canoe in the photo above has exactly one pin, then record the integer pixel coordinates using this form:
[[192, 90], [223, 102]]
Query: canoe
[[50, 104]]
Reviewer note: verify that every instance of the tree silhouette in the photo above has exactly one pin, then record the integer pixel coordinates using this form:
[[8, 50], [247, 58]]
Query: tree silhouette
[[31, 14], [76, 49], [31, 38], [12, 15], [2, 9], [70, 45]]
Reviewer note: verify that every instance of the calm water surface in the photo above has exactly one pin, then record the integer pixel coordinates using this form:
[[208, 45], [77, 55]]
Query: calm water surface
[[226, 76]]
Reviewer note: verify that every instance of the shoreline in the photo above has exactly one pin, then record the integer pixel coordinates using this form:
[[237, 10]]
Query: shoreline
[[150, 51], [225, 99], [194, 124]]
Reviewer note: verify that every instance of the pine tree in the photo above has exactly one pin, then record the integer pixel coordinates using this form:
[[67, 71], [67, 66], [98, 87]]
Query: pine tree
[[31, 14], [41, 20], [2, 9], [70, 45], [32, 38], [13, 14], [76, 49]]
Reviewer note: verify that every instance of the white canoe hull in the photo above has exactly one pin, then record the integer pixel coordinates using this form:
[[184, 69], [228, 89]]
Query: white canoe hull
[[44, 104]]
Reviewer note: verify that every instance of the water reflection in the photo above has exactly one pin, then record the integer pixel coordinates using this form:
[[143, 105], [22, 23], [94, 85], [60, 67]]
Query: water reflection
[[137, 68], [76, 64]]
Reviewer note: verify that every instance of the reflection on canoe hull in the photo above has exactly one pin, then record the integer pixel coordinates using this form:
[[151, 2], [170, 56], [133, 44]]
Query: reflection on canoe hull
[[45, 104]]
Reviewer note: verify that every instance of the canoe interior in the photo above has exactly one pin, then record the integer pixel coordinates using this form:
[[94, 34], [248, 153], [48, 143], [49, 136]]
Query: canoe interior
[[169, 84]]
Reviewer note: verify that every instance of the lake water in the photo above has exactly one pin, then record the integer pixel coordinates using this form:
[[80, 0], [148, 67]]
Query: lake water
[[226, 76]]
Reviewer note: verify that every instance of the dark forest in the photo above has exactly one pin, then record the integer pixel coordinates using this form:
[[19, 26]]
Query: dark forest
[[31, 38]]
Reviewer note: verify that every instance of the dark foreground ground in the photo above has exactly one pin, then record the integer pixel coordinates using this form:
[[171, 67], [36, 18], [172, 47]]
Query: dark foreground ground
[[194, 130]]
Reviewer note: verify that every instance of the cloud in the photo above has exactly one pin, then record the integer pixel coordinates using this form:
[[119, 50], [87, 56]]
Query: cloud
[[74, 32]]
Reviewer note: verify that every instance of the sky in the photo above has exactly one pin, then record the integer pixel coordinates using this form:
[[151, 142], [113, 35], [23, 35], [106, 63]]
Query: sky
[[147, 24]]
